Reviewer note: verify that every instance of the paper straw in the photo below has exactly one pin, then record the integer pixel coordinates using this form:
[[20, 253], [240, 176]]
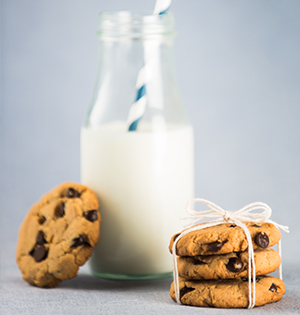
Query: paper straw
[[138, 108]]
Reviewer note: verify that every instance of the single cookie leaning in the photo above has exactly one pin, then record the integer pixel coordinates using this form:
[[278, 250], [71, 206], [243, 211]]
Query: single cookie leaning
[[58, 235], [225, 238], [228, 293], [227, 266]]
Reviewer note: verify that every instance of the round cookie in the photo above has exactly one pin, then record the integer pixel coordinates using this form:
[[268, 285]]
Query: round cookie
[[225, 238], [227, 266], [228, 293], [58, 235]]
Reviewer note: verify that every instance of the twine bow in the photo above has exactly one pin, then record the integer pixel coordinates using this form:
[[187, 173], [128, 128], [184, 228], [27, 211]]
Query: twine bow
[[245, 214]]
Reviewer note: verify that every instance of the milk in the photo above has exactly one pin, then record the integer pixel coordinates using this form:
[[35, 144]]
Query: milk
[[143, 181]]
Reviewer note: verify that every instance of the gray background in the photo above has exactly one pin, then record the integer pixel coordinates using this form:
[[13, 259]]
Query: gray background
[[239, 74]]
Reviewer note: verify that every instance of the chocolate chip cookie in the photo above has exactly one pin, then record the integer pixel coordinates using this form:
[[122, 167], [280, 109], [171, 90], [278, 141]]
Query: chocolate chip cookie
[[228, 293], [58, 235], [225, 238], [227, 266]]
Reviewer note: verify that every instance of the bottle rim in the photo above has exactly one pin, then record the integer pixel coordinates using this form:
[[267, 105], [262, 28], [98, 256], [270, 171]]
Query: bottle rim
[[135, 25]]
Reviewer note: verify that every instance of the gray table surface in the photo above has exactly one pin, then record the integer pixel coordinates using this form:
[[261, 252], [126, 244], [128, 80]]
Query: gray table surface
[[91, 295]]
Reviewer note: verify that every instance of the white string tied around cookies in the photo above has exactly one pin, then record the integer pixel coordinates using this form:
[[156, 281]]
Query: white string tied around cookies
[[245, 214]]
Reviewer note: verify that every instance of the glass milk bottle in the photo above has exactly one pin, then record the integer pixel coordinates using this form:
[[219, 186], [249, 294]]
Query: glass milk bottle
[[137, 150]]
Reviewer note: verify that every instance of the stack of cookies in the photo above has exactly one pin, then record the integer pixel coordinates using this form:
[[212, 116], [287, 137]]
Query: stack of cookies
[[213, 266]]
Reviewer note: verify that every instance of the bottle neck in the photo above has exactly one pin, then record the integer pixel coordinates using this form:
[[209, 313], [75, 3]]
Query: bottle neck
[[128, 25], [129, 43]]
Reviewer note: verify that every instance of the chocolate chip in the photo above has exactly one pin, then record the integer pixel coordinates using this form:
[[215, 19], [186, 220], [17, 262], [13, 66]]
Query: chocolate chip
[[262, 240], [39, 253], [40, 239], [72, 193], [91, 215], [175, 236], [273, 287], [199, 262], [79, 241], [42, 219], [185, 290], [215, 246], [232, 225], [234, 264], [255, 225], [60, 210]]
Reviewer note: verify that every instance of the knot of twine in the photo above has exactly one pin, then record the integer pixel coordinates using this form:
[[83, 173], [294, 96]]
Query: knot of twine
[[245, 214], [226, 215]]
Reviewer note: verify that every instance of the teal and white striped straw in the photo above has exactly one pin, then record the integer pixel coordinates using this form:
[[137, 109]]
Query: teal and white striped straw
[[138, 108]]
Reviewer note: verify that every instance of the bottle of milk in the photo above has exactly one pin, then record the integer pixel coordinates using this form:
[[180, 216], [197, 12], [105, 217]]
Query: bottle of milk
[[137, 150]]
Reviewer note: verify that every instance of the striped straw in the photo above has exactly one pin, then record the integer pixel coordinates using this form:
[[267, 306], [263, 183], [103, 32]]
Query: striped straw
[[138, 108]]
